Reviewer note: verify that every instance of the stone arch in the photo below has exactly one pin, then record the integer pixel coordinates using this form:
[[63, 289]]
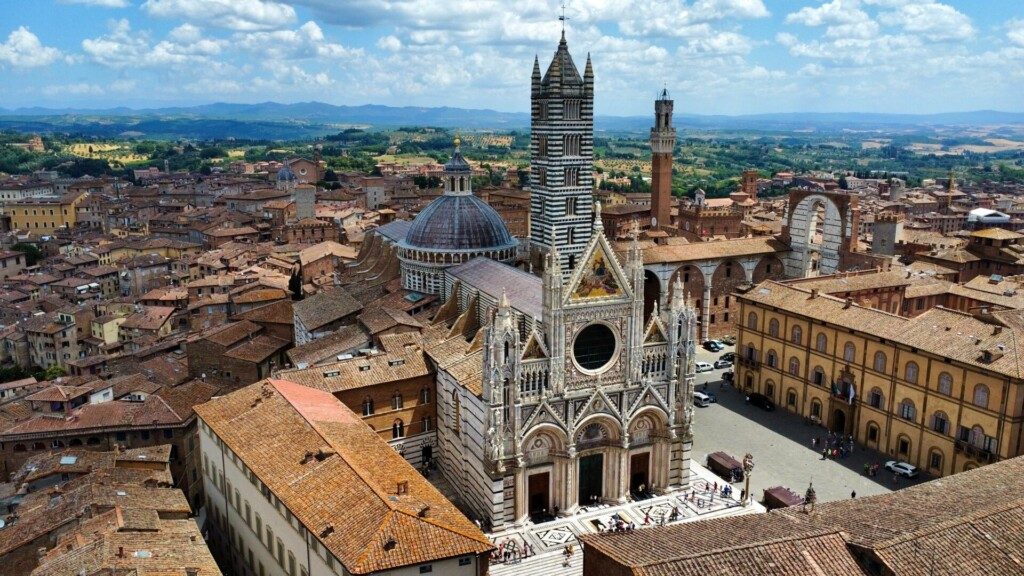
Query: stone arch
[[649, 418], [652, 293], [584, 438], [807, 236], [770, 267], [542, 440], [693, 281]]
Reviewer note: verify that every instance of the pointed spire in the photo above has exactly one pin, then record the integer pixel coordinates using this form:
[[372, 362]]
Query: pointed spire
[[536, 68], [598, 225], [588, 72], [503, 303]]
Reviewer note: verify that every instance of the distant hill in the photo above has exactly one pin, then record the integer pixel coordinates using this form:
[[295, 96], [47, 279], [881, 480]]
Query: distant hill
[[275, 121]]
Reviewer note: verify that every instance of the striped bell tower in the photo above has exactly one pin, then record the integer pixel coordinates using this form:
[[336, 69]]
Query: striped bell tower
[[561, 159]]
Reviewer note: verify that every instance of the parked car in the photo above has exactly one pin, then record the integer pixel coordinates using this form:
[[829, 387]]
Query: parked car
[[727, 375], [761, 401], [902, 469], [720, 363], [730, 356], [704, 367], [701, 399], [713, 346], [730, 340]]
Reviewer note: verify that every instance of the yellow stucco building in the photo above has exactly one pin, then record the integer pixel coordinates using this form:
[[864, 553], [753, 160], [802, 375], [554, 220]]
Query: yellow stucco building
[[943, 391], [45, 215]]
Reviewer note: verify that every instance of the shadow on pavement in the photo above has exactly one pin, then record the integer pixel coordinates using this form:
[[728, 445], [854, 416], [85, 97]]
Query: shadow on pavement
[[795, 428]]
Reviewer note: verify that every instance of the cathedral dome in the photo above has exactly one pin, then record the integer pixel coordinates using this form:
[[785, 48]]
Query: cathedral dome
[[459, 222]]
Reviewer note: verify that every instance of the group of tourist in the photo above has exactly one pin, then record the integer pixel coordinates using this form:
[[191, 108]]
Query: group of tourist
[[512, 552], [834, 445]]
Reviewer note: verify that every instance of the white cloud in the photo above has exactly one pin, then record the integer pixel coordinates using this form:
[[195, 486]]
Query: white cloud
[[77, 89], [1015, 31], [307, 41], [124, 47], [100, 3], [233, 14], [121, 47], [390, 43], [24, 50], [834, 12], [932, 21], [732, 8]]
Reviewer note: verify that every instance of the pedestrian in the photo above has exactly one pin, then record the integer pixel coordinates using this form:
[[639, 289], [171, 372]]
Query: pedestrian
[[814, 442], [743, 495], [647, 518], [716, 486], [853, 495]]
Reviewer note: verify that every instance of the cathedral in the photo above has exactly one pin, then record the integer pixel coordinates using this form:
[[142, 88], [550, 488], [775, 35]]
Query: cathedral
[[553, 392]]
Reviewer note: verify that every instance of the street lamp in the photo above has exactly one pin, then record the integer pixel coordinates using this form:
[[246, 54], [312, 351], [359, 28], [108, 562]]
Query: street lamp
[[748, 467]]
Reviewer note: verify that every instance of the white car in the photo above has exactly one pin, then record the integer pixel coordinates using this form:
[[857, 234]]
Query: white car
[[722, 364], [902, 469], [704, 367]]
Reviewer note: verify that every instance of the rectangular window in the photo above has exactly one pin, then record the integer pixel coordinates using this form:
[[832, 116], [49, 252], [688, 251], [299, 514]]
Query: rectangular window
[[872, 434], [904, 447], [875, 399], [465, 561], [542, 145], [936, 461], [940, 424], [426, 569]]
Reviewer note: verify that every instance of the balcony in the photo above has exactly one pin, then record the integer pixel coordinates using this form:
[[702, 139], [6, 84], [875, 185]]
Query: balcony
[[748, 362], [972, 451]]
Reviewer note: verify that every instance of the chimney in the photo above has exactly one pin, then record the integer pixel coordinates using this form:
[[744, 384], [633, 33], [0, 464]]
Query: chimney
[[191, 571], [120, 551], [814, 292], [996, 330], [849, 302]]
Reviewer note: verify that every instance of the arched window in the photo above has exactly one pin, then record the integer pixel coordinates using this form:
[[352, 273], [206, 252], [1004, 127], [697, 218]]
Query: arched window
[[935, 459], [797, 335], [880, 361], [773, 327], [816, 408], [940, 422], [425, 396], [38, 446], [981, 396], [398, 428], [875, 398], [396, 401], [93, 441], [945, 384], [457, 412], [872, 432], [769, 388], [771, 359], [907, 410], [849, 352], [821, 342], [75, 442], [977, 437], [367, 406], [19, 448], [910, 372], [818, 376], [794, 366]]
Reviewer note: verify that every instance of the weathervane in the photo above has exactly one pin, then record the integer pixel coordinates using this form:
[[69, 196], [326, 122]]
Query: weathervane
[[562, 18]]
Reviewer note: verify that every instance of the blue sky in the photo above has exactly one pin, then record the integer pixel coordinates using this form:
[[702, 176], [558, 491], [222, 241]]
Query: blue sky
[[715, 56]]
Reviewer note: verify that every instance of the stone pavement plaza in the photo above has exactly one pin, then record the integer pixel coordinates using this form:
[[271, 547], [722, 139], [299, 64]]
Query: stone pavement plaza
[[548, 539], [780, 442]]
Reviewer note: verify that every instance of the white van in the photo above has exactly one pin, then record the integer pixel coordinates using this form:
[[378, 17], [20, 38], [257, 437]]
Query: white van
[[701, 399], [704, 367]]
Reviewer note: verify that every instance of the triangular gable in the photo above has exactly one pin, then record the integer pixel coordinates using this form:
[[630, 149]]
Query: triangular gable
[[599, 403], [544, 413], [648, 397], [655, 333], [599, 277], [534, 348]]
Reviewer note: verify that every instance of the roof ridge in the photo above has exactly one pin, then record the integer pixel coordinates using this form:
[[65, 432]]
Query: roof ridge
[[817, 533], [968, 519]]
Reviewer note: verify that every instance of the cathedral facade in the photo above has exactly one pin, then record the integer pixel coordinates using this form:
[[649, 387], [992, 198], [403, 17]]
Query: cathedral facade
[[553, 392]]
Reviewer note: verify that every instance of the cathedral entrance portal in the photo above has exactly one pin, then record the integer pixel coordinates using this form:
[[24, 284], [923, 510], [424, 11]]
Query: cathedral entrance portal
[[539, 495], [839, 422], [639, 468], [591, 478]]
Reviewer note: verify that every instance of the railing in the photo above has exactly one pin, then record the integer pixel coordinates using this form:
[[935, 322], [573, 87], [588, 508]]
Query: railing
[[748, 362], [973, 451], [655, 360], [535, 376]]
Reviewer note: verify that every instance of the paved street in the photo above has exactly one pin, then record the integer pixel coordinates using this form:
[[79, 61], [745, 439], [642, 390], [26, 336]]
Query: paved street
[[781, 445]]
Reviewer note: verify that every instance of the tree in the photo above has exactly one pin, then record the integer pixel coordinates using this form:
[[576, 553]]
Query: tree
[[843, 184], [295, 285], [32, 253]]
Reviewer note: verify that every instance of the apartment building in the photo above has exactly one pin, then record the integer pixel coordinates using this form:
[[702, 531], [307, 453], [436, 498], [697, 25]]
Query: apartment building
[[941, 390]]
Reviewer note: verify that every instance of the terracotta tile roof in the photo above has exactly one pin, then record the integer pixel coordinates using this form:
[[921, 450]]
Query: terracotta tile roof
[[378, 320], [996, 234], [275, 313], [708, 250], [325, 307], [945, 333], [150, 318], [232, 333], [274, 425], [360, 371], [329, 347], [257, 349], [968, 523], [58, 393]]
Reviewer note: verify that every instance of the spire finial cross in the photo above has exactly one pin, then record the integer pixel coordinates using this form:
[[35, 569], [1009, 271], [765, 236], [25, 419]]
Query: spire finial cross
[[562, 18]]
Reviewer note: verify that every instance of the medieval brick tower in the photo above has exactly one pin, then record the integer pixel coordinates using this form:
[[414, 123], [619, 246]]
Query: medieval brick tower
[[561, 159], [663, 142]]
